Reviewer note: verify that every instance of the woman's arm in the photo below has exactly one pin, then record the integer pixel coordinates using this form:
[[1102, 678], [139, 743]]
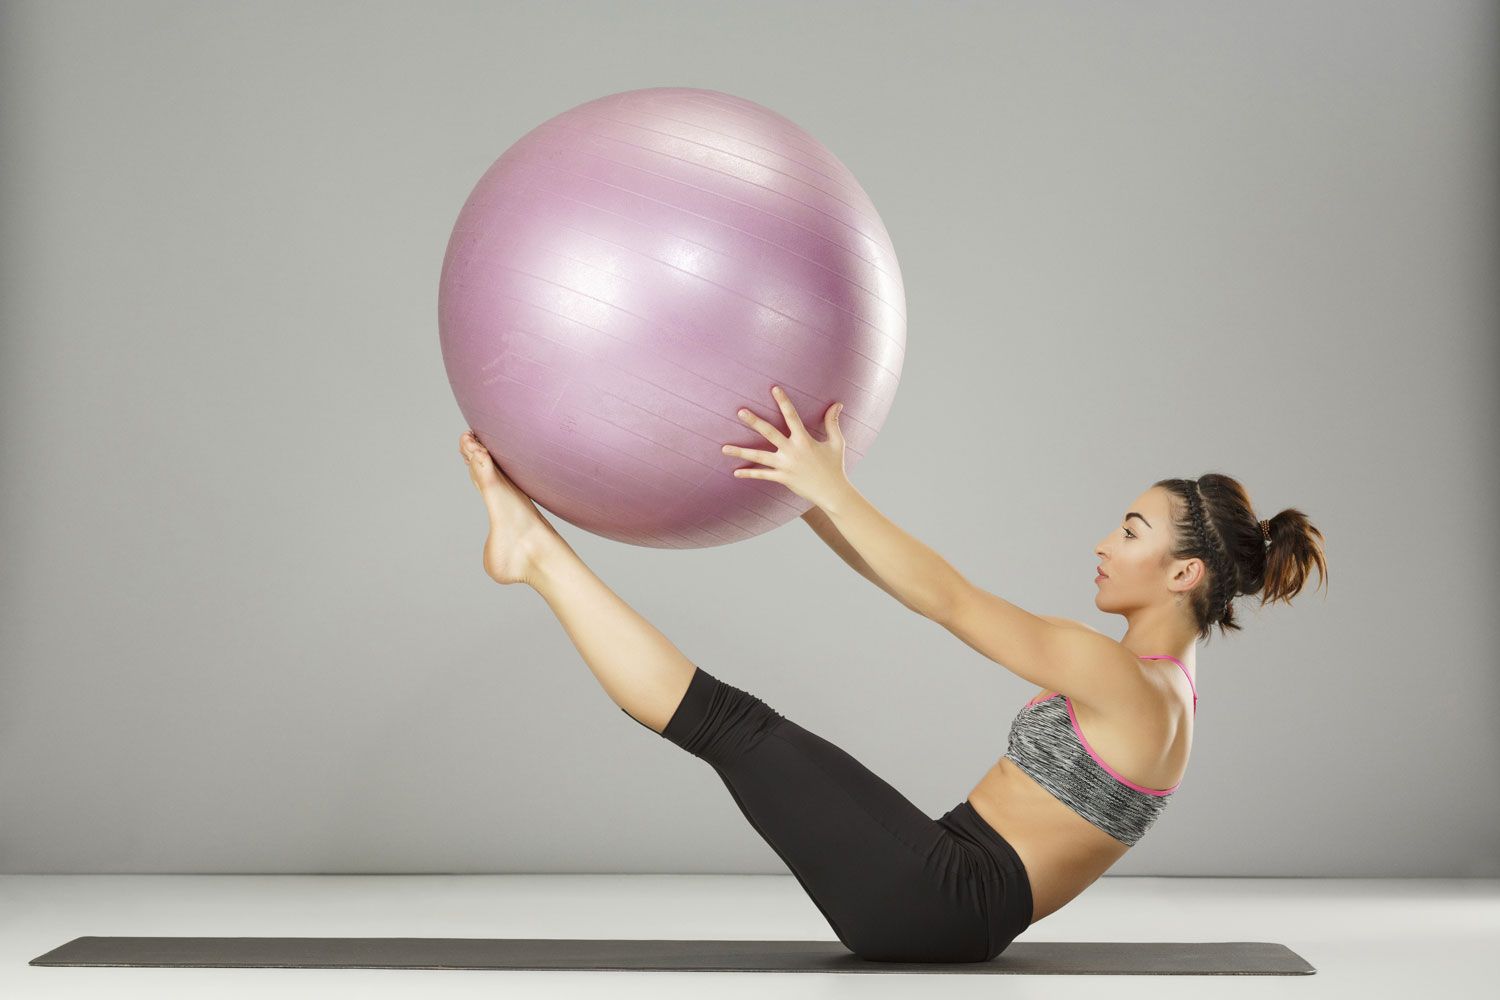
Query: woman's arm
[[906, 568], [825, 529]]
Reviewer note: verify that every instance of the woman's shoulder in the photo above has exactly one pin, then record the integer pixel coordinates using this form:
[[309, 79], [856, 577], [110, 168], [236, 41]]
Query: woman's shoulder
[[1124, 687], [1158, 688]]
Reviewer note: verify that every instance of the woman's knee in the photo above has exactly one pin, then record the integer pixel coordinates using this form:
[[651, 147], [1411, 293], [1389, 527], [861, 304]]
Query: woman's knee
[[719, 722]]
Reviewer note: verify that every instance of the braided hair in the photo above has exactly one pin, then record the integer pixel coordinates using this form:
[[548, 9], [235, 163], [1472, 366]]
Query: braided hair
[[1216, 524], [1211, 546]]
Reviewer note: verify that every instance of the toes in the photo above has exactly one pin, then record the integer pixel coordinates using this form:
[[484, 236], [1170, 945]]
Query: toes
[[474, 452]]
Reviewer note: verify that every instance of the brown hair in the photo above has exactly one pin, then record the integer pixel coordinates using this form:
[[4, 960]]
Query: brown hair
[[1213, 521]]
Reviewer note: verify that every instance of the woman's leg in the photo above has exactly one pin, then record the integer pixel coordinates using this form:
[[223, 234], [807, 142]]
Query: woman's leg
[[638, 667], [892, 883], [635, 664]]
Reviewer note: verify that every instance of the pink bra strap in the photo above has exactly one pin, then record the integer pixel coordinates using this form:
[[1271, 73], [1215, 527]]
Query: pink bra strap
[[1184, 673]]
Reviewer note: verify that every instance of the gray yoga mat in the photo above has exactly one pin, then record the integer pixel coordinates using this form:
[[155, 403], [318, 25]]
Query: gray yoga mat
[[1067, 958]]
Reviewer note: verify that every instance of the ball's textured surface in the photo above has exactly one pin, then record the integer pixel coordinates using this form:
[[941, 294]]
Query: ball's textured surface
[[632, 272]]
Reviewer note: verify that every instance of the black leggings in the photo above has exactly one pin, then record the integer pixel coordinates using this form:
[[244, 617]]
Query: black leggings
[[894, 884]]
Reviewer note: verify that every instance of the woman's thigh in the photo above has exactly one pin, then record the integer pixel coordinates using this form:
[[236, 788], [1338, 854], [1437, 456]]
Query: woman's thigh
[[893, 883]]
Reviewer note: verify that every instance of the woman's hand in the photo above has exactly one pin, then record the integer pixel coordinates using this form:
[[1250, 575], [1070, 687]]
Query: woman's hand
[[812, 469]]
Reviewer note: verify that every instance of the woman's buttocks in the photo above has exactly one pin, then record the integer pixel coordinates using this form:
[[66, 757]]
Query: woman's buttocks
[[1006, 886]]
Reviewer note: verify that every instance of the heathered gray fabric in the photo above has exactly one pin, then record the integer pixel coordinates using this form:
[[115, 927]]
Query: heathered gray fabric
[[1042, 743]]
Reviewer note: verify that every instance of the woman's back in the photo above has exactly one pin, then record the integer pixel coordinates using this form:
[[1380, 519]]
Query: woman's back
[[1136, 750]]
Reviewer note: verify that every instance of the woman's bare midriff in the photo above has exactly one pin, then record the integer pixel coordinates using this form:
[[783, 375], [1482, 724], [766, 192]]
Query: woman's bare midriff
[[1063, 852]]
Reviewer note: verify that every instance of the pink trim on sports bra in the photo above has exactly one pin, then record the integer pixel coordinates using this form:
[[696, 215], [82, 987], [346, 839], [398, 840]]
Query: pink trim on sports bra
[[1073, 718], [1185, 673], [1112, 772]]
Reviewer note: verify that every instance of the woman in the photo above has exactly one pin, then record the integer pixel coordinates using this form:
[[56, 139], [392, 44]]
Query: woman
[[1051, 816]]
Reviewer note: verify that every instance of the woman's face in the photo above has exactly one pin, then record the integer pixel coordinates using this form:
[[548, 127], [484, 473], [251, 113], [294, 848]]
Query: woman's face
[[1136, 557]]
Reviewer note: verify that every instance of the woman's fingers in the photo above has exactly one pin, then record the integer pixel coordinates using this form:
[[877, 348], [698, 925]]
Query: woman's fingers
[[831, 418], [793, 418], [765, 428], [751, 454]]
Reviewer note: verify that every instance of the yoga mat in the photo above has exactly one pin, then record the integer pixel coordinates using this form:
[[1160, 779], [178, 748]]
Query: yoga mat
[[1067, 958]]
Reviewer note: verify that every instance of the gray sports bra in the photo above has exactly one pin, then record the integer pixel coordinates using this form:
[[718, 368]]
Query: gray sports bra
[[1047, 744]]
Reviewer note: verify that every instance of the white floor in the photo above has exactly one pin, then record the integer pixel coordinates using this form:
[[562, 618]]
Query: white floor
[[1366, 937]]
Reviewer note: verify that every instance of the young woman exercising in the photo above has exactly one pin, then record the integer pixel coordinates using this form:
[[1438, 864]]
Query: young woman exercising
[[1051, 815]]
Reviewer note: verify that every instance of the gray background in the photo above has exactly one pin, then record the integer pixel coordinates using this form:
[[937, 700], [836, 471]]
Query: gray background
[[244, 625]]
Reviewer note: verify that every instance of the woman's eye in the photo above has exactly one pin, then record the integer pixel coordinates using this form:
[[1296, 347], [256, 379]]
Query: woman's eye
[[1129, 533]]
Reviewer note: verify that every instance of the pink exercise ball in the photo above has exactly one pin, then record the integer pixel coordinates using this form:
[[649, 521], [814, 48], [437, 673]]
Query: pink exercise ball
[[632, 272]]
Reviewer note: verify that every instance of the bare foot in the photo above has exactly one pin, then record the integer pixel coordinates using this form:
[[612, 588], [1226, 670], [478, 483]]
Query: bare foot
[[519, 533]]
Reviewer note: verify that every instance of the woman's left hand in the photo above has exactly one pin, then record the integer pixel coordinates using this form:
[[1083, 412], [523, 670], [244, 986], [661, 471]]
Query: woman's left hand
[[812, 469]]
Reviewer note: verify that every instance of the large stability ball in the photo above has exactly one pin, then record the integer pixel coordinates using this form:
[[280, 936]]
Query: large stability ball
[[629, 274]]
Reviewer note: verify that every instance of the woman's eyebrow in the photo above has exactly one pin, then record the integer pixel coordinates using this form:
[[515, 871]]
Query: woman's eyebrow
[[1134, 514]]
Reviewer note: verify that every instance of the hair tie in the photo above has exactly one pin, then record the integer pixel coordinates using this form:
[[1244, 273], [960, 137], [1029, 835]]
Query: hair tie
[[1265, 529]]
